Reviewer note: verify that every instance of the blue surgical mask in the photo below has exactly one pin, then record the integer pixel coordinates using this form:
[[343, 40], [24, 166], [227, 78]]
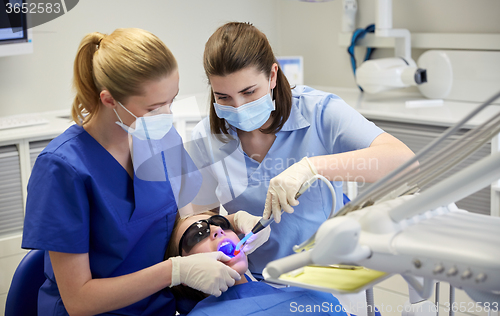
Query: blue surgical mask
[[250, 116], [148, 127]]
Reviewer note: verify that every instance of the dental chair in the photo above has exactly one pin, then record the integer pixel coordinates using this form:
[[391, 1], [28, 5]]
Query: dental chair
[[407, 224], [22, 299]]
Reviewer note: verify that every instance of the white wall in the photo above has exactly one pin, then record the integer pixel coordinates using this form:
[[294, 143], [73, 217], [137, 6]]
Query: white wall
[[311, 30], [42, 81]]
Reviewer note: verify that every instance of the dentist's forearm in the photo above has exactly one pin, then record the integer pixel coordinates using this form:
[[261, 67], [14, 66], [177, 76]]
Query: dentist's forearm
[[385, 154]]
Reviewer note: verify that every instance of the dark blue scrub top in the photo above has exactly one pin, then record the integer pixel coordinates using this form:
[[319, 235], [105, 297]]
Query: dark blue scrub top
[[81, 200]]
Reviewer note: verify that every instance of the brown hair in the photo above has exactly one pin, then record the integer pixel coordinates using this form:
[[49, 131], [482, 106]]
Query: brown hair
[[233, 47], [120, 63]]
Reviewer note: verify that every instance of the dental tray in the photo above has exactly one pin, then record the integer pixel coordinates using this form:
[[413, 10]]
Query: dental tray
[[338, 279]]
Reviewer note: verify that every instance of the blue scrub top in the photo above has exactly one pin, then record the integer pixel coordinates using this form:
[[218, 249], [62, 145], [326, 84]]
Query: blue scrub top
[[81, 200], [258, 298], [319, 124]]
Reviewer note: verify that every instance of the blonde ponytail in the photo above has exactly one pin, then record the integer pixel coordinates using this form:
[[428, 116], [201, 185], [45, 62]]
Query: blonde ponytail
[[87, 94], [121, 63]]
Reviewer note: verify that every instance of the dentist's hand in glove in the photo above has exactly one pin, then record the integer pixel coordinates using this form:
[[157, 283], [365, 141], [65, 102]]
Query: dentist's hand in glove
[[205, 272], [244, 222], [284, 187]]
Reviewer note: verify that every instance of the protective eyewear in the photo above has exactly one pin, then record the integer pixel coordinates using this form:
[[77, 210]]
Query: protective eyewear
[[200, 230]]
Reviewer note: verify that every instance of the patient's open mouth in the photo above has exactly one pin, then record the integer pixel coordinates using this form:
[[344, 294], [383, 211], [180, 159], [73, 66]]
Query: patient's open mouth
[[227, 247]]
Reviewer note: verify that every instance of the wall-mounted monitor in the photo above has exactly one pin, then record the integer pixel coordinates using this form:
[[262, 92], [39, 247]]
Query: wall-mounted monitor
[[15, 37]]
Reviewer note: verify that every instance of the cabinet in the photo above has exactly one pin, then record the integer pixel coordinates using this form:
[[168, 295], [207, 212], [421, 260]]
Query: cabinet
[[19, 148], [417, 136], [11, 206]]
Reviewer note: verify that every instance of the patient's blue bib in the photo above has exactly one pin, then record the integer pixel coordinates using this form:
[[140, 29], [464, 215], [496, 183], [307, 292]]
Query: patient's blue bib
[[258, 298]]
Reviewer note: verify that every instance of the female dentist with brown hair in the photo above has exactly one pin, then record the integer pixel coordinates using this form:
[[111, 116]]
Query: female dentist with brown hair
[[272, 138]]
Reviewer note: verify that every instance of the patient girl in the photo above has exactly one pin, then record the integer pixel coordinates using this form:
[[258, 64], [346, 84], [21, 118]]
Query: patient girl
[[209, 232]]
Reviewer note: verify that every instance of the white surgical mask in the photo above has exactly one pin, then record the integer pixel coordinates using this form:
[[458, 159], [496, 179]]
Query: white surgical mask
[[250, 116], [148, 127]]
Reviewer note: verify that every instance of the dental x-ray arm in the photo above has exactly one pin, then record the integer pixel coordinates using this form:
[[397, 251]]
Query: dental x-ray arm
[[376, 75]]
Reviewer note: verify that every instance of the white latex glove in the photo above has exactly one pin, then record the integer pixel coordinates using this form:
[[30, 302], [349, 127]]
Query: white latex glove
[[244, 222], [284, 187], [204, 272]]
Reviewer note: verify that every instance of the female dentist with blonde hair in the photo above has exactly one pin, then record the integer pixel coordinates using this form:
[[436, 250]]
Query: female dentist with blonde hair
[[104, 229]]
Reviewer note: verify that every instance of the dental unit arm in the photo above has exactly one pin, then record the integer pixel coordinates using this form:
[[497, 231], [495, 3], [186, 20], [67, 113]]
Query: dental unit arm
[[424, 237]]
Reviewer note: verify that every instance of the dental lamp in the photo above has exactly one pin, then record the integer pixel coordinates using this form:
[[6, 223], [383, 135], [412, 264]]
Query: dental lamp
[[382, 74]]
